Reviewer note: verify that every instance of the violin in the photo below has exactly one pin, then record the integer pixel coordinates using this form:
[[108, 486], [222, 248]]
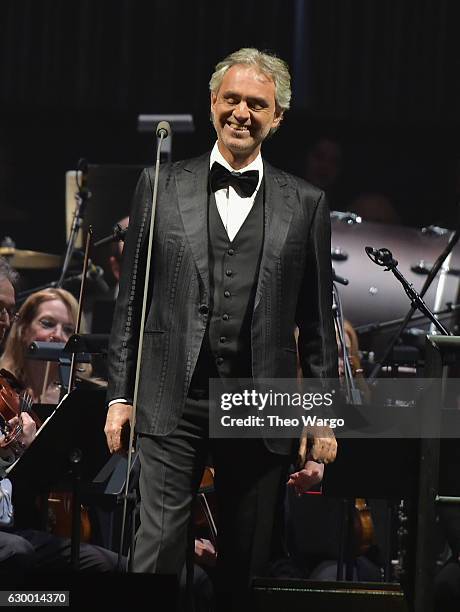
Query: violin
[[9, 410], [13, 401], [363, 527], [60, 516]]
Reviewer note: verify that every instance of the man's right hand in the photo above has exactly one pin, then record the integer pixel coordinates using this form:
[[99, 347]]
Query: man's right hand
[[117, 426]]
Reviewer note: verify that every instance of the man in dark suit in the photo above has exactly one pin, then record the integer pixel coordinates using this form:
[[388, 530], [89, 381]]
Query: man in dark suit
[[239, 260]]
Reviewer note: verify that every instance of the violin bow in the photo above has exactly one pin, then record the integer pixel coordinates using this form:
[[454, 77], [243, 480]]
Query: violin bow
[[73, 362]]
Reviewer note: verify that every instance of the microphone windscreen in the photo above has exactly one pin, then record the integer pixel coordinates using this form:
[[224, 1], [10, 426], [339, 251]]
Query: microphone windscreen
[[163, 129], [96, 275]]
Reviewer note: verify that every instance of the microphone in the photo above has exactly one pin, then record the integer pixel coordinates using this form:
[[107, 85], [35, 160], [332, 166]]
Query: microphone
[[371, 252], [382, 257], [118, 233], [96, 275], [163, 129]]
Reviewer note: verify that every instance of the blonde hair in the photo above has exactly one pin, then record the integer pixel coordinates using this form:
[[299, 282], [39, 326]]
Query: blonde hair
[[15, 354], [267, 63]]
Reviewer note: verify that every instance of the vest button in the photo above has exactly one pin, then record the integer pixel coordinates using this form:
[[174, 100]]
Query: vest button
[[225, 317], [227, 293], [203, 309], [231, 251], [223, 339], [220, 361], [228, 272]]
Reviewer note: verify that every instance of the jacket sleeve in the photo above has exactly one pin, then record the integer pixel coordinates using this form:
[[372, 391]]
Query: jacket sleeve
[[317, 343], [124, 336]]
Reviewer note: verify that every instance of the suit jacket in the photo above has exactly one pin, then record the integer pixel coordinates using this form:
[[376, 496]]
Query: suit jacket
[[294, 289]]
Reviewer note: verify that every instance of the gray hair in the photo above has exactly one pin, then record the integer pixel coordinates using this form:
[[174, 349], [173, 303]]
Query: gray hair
[[6, 271], [267, 63]]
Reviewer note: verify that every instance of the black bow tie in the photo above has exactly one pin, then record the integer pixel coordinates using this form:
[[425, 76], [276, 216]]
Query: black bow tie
[[244, 183]]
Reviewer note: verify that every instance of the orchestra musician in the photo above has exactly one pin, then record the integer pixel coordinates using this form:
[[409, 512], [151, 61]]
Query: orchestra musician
[[239, 260], [46, 316], [25, 550]]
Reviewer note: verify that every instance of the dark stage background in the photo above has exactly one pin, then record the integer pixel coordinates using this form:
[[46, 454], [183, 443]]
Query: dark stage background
[[381, 77]]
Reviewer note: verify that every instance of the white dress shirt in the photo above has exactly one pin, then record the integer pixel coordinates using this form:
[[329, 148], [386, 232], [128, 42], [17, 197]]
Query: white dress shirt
[[233, 209]]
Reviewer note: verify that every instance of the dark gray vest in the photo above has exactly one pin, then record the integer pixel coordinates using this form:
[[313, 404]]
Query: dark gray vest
[[233, 274]]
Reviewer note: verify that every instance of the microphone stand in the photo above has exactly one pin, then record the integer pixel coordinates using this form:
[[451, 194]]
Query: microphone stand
[[426, 285], [375, 327], [384, 258], [81, 198], [352, 392], [162, 132], [21, 297], [354, 397]]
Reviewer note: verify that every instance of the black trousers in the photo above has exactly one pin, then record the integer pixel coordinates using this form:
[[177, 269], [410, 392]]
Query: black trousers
[[249, 483]]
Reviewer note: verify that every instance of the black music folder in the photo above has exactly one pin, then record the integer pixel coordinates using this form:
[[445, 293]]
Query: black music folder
[[74, 431]]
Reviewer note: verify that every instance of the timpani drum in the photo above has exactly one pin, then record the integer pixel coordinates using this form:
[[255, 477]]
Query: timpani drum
[[374, 295]]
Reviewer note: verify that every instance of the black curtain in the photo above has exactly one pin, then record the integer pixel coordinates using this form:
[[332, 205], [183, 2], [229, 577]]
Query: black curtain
[[127, 54], [74, 75], [391, 60]]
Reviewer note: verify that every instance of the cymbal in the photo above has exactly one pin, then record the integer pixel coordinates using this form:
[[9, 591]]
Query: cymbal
[[30, 260]]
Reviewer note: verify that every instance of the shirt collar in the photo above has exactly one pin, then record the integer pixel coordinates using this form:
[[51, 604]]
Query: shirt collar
[[257, 164]]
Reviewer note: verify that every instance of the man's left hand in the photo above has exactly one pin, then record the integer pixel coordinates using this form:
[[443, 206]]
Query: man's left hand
[[324, 446], [324, 449], [306, 478]]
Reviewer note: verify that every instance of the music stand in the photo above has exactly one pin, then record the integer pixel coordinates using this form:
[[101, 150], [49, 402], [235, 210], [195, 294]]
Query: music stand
[[108, 489], [57, 351], [87, 343], [70, 447], [179, 124]]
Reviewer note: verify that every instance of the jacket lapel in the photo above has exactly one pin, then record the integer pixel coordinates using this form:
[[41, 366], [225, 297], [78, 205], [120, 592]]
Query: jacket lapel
[[278, 215], [192, 190]]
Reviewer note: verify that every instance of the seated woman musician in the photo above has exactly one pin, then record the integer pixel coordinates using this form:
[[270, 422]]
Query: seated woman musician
[[46, 316], [23, 549]]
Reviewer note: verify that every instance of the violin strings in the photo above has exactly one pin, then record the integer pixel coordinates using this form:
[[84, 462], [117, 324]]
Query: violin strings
[[26, 402]]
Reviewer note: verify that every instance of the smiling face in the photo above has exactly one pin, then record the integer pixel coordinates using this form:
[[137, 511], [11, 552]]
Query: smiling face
[[244, 111]]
